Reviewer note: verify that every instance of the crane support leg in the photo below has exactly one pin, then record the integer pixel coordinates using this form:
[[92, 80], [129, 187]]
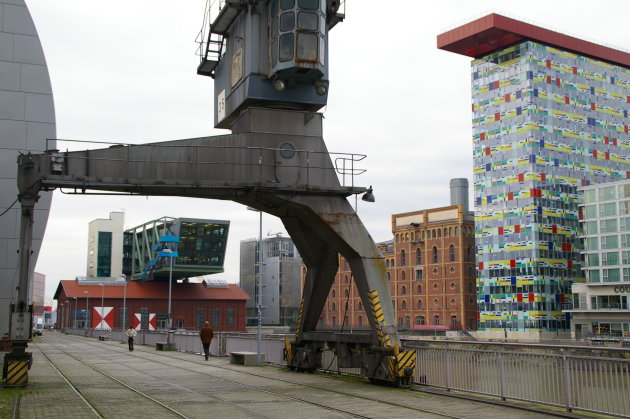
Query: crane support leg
[[18, 361], [323, 227], [322, 262]]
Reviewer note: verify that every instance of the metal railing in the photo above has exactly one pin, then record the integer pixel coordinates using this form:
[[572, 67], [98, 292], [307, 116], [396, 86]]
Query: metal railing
[[573, 378], [214, 7], [260, 159]]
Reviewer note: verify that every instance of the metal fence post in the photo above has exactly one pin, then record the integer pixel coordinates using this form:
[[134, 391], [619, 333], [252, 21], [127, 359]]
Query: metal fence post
[[502, 372], [567, 381], [448, 368]]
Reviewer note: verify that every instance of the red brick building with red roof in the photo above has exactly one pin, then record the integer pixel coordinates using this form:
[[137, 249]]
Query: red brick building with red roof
[[146, 304]]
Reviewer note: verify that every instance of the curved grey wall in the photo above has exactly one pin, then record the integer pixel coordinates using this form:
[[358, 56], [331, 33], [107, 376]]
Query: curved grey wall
[[27, 118]]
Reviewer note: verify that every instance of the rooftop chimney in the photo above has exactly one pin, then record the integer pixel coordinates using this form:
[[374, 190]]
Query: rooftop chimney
[[459, 193]]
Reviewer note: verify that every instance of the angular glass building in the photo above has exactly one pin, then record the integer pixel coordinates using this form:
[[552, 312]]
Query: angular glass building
[[201, 248], [549, 114]]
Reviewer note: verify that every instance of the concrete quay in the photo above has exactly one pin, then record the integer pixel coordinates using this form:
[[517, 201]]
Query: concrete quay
[[78, 377]]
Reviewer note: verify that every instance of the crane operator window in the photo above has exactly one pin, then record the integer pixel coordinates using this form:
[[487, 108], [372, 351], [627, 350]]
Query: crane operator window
[[297, 31]]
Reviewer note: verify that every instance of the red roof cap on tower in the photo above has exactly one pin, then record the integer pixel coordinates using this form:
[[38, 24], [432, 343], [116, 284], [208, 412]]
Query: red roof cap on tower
[[492, 32]]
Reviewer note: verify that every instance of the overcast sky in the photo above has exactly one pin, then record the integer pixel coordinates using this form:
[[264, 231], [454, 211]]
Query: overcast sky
[[125, 71]]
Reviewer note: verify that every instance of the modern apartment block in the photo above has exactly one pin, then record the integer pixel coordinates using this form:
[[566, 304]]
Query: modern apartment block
[[600, 305], [280, 276], [430, 265], [105, 241], [549, 114]]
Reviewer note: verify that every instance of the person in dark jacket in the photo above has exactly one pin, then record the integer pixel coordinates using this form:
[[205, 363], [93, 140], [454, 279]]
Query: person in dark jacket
[[206, 334]]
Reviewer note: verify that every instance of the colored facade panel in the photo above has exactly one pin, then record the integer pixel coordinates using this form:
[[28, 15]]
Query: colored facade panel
[[545, 121]]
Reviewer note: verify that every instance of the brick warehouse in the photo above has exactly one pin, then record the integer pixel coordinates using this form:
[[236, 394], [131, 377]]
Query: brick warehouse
[[147, 305], [430, 263]]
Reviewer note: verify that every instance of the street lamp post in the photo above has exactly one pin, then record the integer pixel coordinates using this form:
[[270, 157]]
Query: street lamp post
[[259, 291], [124, 322], [170, 293], [102, 307], [87, 306], [260, 279], [170, 253]]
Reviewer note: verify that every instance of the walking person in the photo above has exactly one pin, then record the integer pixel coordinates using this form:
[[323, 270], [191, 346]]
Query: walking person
[[206, 334], [131, 333]]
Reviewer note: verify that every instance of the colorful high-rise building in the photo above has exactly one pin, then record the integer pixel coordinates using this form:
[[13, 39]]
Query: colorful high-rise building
[[549, 114]]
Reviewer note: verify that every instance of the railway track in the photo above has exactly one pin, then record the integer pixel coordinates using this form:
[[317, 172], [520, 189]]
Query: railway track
[[78, 384], [207, 372]]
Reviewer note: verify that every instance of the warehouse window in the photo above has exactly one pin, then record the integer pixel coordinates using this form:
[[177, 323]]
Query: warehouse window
[[230, 318]]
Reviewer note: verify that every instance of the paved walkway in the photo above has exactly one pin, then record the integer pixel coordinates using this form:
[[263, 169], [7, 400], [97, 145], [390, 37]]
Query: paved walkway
[[109, 381]]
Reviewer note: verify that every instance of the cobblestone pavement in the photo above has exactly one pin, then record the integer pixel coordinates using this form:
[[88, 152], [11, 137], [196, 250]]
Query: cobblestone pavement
[[195, 388]]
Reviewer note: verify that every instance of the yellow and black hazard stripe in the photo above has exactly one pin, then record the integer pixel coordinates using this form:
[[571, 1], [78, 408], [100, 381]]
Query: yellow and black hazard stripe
[[379, 318], [17, 373], [288, 350], [399, 363], [298, 327]]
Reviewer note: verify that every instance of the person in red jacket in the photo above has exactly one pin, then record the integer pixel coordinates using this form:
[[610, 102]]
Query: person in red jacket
[[206, 334]]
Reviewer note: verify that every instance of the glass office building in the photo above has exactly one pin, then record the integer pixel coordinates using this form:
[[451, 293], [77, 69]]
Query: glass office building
[[549, 114], [201, 248]]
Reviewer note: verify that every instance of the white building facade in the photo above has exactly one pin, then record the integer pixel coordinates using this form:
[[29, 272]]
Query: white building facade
[[600, 305], [105, 246]]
